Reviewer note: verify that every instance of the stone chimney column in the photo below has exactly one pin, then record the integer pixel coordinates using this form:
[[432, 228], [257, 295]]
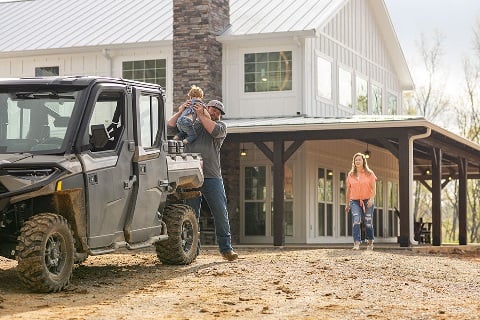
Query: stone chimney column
[[197, 55]]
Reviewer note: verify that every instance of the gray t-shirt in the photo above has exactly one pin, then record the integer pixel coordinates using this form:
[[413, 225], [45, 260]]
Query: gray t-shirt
[[209, 146]]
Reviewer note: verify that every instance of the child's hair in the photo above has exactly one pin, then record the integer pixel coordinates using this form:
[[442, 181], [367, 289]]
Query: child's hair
[[195, 92]]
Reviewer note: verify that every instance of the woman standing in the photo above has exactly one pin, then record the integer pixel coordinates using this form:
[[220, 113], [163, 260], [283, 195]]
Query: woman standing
[[361, 189]]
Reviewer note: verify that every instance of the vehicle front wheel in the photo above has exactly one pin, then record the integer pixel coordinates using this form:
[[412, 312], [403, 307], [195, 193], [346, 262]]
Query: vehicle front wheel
[[45, 253], [181, 247]]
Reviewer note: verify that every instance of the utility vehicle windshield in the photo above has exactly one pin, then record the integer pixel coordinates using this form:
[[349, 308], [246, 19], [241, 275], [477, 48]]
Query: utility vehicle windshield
[[34, 121]]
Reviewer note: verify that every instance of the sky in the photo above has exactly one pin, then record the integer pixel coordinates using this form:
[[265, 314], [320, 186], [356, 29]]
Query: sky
[[454, 19]]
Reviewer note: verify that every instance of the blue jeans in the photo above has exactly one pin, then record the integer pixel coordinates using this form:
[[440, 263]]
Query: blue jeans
[[214, 193], [357, 216], [186, 130]]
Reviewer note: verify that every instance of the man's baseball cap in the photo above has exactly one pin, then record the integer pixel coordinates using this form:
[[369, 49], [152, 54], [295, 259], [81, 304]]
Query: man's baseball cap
[[216, 104]]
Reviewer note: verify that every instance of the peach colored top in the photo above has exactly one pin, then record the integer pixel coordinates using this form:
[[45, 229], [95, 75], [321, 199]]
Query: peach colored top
[[361, 187]]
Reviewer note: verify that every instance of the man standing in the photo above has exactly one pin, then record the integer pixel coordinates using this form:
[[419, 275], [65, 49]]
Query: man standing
[[211, 133]]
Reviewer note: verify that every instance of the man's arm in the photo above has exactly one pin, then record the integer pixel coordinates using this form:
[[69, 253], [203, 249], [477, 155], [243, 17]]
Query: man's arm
[[172, 122], [204, 117]]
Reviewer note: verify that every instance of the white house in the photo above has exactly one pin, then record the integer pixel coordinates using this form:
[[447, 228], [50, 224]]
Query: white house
[[306, 85]]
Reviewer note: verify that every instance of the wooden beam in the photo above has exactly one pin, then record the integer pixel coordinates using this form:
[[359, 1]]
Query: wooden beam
[[462, 201], [436, 196], [429, 188], [278, 194], [291, 149], [393, 148], [266, 151], [404, 190]]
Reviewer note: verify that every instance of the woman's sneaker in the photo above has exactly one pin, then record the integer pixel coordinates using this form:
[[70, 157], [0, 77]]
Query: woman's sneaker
[[356, 245], [370, 245]]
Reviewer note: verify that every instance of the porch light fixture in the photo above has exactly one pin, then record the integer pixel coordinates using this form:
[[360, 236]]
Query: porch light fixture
[[427, 172], [367, 153], [243, 151]]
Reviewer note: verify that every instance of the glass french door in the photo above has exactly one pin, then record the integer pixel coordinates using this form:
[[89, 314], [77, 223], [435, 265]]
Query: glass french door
[[258, 201]]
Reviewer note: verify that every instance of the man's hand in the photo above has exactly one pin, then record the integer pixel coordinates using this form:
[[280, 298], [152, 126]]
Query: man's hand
[[200, 110], [183, 106]]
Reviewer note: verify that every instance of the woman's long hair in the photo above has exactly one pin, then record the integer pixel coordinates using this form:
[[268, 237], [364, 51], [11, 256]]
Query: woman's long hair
[[353, 170]]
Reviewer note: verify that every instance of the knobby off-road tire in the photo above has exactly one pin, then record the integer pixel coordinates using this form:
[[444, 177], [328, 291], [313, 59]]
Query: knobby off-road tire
[[45, 253], [182, 229]]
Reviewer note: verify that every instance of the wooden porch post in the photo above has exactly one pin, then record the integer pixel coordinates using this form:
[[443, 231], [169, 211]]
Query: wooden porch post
[[404, 190], [436, 196], [462, 201], [278, 157], [278, 194]]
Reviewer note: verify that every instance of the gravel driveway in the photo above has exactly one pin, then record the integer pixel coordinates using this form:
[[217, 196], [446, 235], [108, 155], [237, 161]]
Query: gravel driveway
[[267, 283]]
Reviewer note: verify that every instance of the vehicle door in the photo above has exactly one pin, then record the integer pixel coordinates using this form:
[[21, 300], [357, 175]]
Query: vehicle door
[[107, 160], [149, 165]]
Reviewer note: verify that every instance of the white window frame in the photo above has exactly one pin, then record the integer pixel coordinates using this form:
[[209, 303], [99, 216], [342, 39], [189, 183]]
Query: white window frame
[[350, 71], [295, 74], [365, 78], [317, 79]]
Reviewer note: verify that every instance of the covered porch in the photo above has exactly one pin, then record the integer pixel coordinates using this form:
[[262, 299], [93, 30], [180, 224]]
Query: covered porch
[[424, 151]]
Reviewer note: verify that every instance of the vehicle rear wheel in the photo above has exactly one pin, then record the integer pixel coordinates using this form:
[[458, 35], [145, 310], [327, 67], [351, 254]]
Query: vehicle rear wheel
[[45, 253], [182, 229]]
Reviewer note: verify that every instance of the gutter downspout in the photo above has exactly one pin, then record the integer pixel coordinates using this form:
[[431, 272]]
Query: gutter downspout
[[410, 179], [107, 56]]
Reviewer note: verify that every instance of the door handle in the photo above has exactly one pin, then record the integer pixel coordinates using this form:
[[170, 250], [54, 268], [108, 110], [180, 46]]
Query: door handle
[[165, 186], [127, 185]]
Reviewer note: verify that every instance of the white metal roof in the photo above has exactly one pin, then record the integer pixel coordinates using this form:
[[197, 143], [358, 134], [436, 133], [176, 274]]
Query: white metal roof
[[272, 16], [37, 25], [57, 24]]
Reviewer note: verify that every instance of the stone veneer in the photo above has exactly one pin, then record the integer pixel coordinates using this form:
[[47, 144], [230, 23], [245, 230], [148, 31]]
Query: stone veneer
[[197, 55], [197, 59]]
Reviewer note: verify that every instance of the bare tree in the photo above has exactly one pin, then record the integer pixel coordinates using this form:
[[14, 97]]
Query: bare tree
[[430, 101], [468, 120], [430, 98]]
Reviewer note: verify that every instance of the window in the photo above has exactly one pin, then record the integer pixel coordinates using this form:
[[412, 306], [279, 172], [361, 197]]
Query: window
[[344, 87], [107, 122], [152, 71], [325, 202], [378, 215], [324, 78], [258, 201], [391, 103], [46, 71], [345, 220], [376, 100], [362, 94], [392, 201], [268, 71], [37, 121], [255, 196], [148, 120]]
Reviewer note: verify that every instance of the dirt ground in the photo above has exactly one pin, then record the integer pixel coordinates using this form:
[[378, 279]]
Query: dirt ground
[[267, 283]]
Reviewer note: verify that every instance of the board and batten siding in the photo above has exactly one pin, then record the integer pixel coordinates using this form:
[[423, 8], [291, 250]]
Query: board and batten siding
[[353, 39], [97, 62], [240, 104]]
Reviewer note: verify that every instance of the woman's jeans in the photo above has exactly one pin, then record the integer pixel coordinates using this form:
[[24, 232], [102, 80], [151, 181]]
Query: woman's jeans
[[357, 216], [214, 193]]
